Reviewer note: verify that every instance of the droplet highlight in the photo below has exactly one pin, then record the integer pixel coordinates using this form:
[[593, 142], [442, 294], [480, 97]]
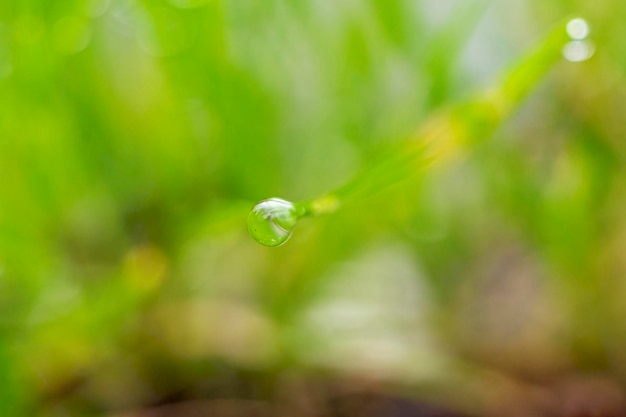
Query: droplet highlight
[[271, 222]]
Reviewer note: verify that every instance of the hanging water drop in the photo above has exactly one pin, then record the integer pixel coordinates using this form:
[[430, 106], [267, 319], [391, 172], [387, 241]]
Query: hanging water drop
[[271, 222]]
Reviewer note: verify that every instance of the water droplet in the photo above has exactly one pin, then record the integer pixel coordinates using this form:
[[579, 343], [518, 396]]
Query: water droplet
[[578, 29], [579, 48], [271, 222], [578, 51]]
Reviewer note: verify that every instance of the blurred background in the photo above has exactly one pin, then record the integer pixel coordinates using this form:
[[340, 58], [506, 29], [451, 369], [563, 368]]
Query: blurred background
[[135, 136]]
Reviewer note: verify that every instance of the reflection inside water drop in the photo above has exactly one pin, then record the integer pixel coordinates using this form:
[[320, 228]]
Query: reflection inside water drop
[[271, 222]]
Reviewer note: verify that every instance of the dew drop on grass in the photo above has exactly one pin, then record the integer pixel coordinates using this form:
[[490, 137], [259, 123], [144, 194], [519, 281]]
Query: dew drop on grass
[[271, 222]]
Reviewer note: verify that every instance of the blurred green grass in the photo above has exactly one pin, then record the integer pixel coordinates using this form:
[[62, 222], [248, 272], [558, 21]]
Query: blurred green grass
[[136, 135]]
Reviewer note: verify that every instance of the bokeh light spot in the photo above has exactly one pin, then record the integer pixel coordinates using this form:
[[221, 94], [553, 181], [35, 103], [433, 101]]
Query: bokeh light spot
[[578, 51], [71, 35], [578, 29]]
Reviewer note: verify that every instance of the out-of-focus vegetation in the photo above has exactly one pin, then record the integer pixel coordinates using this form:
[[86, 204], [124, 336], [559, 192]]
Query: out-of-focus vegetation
[[136, 135]]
